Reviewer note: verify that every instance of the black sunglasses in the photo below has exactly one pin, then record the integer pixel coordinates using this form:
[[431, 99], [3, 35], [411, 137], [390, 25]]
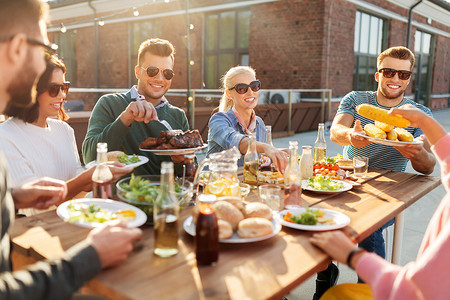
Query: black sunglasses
[[48, 47], [153, 71], [389, 73], [242, 88], [53, 90]]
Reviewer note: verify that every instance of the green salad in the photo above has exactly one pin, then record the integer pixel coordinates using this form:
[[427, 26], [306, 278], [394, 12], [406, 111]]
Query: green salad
[[332, 160], [82, 213], [324, 184], [125, 159], [309, 217], [139, 189]]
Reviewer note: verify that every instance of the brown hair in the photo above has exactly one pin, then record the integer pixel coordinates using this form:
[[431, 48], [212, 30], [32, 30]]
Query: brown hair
[[225, 102], [396, 52], [31, 113], [157, 47], [21, 16]]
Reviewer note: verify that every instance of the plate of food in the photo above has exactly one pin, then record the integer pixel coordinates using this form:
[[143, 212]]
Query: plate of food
[[345, 163], [130, 160], [175, 151], [387, 142], [323, 185], [313, 219], [173, 142], [93, 212], [189, 227]]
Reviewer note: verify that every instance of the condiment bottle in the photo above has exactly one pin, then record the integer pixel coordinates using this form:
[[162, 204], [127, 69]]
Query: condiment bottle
[[292, 177], [102, 178], [166, 214], [269, 135], [306, 162], [189, 162], [251, 161], [320, 146], [206, 232]]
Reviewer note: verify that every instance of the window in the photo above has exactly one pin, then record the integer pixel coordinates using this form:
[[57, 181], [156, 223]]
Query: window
[[140, 32], [226, 44], [66, 51], [422, 68], [369, 40]]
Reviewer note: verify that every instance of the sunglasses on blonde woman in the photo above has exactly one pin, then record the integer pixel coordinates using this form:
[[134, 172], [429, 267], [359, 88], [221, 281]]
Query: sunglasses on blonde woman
[[53, 89], [389, 73], [242, 88]]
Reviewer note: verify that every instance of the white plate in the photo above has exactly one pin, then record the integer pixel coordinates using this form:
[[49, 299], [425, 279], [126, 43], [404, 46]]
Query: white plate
[[346, 187], [388, 142], [182, 151], [189, 227], [339, 218], [110, 205], [142, 160]]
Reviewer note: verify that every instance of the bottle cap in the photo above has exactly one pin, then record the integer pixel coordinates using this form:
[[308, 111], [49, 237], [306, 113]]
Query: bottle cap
[[207, 198], [306, 147]]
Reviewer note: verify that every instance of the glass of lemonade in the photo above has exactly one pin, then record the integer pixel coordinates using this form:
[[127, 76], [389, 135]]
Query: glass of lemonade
[[360, 166], [271, 195]]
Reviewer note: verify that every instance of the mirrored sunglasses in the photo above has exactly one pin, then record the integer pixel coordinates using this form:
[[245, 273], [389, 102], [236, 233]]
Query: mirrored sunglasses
[[153, 71], [242, 88], [389, 73], [53, 90]]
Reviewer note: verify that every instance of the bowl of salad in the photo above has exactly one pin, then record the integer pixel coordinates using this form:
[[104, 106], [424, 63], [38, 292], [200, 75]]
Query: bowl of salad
[[142, 191]]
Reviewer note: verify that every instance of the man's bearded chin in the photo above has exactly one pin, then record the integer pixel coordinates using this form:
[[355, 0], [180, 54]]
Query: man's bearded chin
[[22, 94]]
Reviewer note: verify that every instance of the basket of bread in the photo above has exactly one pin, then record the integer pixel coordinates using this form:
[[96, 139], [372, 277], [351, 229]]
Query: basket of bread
[[240, 222]]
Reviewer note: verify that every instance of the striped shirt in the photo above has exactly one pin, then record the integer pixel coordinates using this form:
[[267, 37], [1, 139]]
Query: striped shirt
[[380, 156]]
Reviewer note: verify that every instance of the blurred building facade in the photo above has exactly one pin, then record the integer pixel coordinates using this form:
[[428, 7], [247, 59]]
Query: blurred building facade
[[292, 44]]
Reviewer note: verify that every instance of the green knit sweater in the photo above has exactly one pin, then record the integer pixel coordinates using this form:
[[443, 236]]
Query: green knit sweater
[[105, 126]]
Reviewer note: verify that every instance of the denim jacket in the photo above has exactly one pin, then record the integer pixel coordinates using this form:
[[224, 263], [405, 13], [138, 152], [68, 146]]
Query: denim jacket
[[225, 132]]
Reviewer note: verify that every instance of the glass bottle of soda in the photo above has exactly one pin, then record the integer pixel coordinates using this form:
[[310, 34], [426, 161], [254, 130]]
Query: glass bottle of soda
[[206, 232], [189, 162], [320, 147], [269, 135], [102, 178], [306, 162], [166, 214], [251, 162], [292, 177]]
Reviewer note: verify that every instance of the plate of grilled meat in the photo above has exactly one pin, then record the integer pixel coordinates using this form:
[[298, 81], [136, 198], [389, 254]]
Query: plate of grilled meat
[[173, 142]]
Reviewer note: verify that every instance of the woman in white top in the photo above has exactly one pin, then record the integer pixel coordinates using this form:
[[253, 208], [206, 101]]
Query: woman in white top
[[38, 142]]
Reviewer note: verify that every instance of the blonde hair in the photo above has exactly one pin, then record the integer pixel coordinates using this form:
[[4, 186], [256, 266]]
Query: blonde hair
[[225, 102]]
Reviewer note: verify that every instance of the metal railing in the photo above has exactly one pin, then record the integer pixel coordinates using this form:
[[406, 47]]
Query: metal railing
[[217, 94]]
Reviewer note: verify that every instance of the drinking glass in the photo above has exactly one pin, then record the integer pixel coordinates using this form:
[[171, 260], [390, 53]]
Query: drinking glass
[[270, 194], [360, 166]]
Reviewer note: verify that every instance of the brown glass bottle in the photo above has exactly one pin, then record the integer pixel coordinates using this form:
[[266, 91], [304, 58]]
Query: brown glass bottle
[[206, 232], [102, 178]]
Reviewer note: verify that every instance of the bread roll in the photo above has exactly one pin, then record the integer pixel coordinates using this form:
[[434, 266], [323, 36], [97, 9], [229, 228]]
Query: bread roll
[[114, 155], [344, 162], [228, 212], [254, 227], [225, 229], [258, 210], [236, 201]]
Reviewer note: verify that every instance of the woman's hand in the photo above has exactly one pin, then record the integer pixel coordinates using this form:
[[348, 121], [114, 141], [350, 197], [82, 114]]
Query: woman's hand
[[334, 243], [278, 157]]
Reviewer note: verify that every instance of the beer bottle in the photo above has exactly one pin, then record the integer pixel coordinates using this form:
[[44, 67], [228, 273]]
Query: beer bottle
[[320, 147], [166, 214], [251, 162], [292, 177]]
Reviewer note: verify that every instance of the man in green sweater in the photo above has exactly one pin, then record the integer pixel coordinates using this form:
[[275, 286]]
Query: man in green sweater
[[22, 40], [124, 120]]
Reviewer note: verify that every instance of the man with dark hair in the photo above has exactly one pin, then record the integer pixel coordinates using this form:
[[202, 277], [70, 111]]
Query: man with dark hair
[[394, 69], [22, 38], [124, 120]]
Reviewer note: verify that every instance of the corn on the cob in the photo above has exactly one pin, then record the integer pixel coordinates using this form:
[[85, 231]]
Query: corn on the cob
[[378, 114], [392, 135], [404, 135], [373, 131], [384, 126]]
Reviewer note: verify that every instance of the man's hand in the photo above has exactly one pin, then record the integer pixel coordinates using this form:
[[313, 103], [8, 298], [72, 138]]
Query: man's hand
[[139, 111], [119, 169], [356, 140], [41, 193], [411, 151], [113, 243]]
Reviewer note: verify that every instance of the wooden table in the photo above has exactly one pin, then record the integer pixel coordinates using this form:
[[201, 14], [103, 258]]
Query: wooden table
[[262, 270]]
